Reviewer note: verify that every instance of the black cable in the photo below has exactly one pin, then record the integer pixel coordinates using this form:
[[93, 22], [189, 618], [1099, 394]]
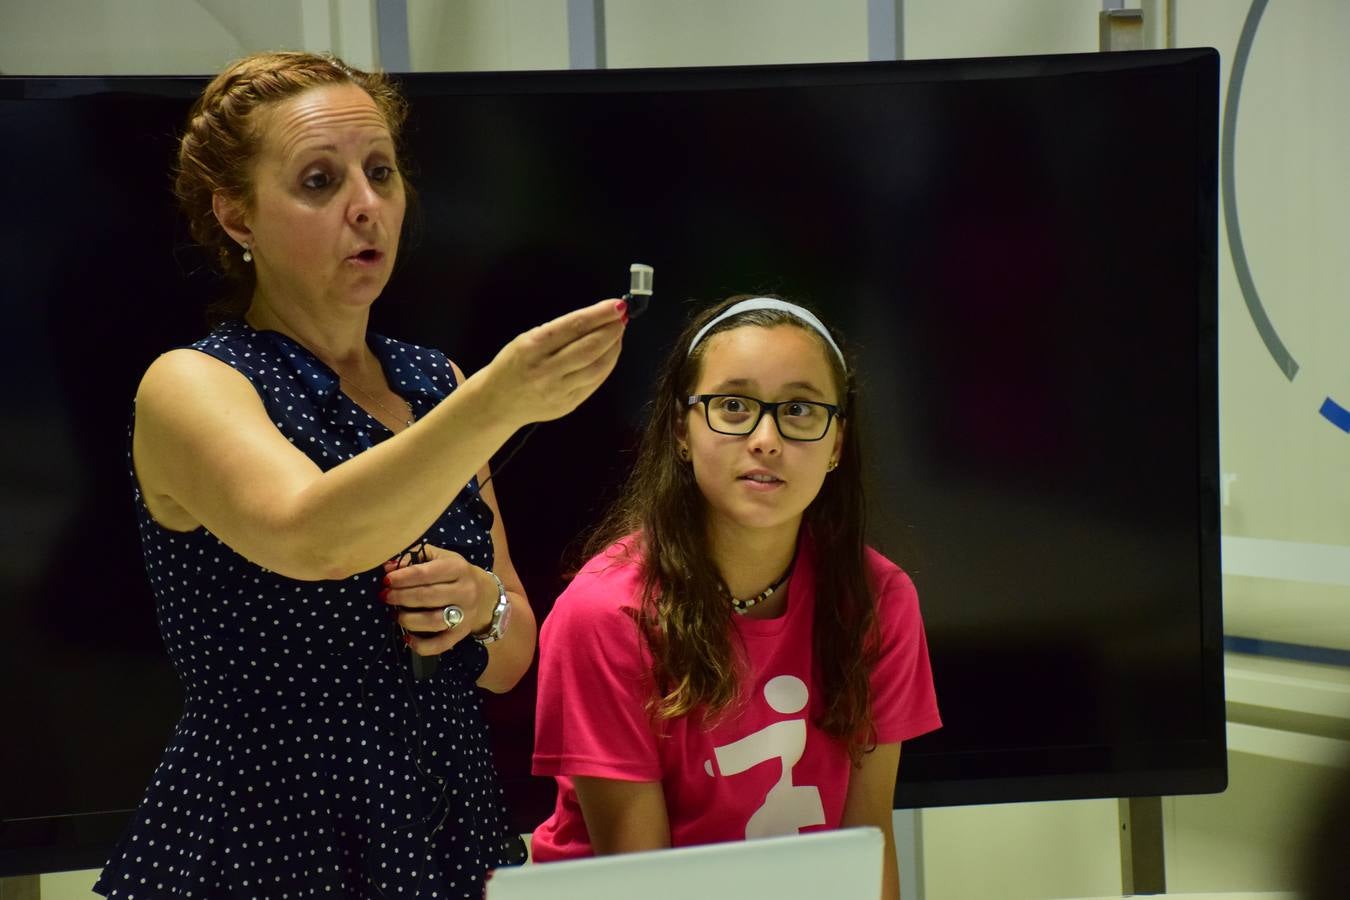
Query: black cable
[[514, 450], [411, 742]]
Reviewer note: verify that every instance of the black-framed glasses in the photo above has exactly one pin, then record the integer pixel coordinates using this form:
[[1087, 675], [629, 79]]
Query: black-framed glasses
[[797, 420]]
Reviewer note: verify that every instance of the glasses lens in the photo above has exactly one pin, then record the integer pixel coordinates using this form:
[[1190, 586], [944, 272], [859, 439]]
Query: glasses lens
[[803, 421], [733, 415]]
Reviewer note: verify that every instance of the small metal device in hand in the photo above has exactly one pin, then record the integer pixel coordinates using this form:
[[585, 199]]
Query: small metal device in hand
[[639, 289]]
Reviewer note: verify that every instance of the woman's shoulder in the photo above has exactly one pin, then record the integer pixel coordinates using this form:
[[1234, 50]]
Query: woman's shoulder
[[231, 335], [254, 354], [405, 348], [411, 361], [234, 340], [185, 372]]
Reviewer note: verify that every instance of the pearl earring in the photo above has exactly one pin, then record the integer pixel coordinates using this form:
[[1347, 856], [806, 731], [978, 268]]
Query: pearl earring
[[832, 465], [248, 254]]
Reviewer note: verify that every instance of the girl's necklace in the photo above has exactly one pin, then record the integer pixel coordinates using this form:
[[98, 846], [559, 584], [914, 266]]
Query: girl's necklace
[[744, 606]]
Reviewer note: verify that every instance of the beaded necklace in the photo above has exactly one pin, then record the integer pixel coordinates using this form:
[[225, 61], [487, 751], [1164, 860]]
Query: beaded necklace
[[744, 606]]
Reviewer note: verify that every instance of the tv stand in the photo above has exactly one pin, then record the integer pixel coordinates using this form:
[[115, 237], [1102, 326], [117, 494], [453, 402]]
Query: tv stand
[[1143, 869], [21, 887]]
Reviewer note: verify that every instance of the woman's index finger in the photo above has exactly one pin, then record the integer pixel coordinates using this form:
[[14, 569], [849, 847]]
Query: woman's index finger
[[570, 327]]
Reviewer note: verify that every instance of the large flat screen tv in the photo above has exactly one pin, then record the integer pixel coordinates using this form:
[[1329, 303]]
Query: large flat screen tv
[[1021, 251]]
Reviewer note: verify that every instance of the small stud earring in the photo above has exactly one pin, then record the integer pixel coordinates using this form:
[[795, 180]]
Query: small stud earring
[[248, 254], [833, 464]]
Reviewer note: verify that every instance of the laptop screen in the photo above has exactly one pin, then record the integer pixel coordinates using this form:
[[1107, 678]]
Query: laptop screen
[[841, 865]]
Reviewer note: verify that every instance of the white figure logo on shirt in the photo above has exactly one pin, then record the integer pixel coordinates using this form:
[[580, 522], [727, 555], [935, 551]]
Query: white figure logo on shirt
[[787, 807]]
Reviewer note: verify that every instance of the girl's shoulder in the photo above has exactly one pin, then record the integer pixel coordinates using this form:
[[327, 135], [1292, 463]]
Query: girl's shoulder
[[606, 590], [893, 584]]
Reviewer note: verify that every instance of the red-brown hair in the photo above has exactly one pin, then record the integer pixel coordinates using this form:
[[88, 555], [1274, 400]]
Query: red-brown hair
[[224, 135]]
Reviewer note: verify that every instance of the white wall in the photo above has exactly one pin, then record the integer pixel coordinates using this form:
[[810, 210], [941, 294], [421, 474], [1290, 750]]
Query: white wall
[[1021, 850], [487, 35], [1293, 195], [1290, 465], [943, 29], [174, 37], [76, 37], [745, 32]]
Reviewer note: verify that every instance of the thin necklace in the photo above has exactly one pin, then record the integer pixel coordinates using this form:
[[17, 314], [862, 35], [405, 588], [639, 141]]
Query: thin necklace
[[407, 420], [744, 606]]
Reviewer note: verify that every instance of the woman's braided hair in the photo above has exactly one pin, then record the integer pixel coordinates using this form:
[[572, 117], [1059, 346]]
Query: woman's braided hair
[[224, 135]]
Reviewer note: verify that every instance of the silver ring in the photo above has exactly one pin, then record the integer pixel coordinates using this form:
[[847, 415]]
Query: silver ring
[[452, 615]]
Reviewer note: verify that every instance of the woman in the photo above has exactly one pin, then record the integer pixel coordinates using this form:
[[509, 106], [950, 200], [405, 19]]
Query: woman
[[735, 662], [292, 471]]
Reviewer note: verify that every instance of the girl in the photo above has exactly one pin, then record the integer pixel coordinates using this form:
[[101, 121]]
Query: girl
[[734, 662]]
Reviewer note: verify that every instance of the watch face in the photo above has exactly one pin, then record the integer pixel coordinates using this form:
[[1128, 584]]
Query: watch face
[[499, 622]]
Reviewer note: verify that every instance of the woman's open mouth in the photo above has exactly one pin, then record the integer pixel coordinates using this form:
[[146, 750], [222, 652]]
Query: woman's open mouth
[[367, 257]]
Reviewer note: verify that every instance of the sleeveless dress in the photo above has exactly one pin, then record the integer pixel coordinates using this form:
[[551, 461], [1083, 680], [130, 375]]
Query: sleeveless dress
[[308, 761]]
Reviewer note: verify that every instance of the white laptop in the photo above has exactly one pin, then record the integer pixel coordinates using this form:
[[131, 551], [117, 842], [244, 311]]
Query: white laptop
[[839, 865]]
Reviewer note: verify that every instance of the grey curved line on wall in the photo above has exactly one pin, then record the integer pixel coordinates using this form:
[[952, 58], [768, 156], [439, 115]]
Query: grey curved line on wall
[[1230, 216]]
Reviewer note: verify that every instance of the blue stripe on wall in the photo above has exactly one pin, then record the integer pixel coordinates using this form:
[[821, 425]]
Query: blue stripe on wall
[[1336, 414], [1300, 652]]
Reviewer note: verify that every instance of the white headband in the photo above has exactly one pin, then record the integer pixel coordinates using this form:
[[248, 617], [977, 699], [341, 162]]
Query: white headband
[[791, 309]]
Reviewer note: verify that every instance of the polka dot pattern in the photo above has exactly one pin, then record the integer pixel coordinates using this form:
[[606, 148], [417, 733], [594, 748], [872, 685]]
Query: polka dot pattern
[[307, 760]]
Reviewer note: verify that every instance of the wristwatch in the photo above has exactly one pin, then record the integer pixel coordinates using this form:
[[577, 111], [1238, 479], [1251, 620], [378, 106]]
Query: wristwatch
[[501, 614]]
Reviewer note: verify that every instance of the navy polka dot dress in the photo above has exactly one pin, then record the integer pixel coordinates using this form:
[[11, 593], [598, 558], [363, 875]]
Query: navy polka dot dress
[[308, 761]]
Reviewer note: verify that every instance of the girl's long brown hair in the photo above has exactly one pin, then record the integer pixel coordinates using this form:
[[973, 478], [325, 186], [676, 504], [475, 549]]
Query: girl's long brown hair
[[683, 613]]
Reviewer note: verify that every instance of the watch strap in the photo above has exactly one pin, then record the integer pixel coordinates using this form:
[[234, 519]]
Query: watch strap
[[496, 629]]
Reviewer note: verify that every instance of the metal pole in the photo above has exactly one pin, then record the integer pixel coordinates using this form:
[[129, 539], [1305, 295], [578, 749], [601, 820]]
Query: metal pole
[[1143, 869], [391, 35], [21, 887], [1120, 29], [907, 825], [885, 29], [586, 34]]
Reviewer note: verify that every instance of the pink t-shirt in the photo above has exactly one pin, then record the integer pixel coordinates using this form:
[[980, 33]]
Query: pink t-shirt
[[764, 768]]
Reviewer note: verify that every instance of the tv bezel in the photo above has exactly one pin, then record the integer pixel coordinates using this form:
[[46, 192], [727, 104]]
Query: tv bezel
[[83, 840]]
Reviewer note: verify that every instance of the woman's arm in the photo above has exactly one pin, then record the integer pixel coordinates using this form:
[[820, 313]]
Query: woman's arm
[[871, 791], [510, 657], [423, 590], [623, 816], [207, 453]]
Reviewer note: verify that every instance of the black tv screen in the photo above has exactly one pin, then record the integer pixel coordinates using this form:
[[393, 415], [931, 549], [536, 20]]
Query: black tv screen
[[1021, 251]]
